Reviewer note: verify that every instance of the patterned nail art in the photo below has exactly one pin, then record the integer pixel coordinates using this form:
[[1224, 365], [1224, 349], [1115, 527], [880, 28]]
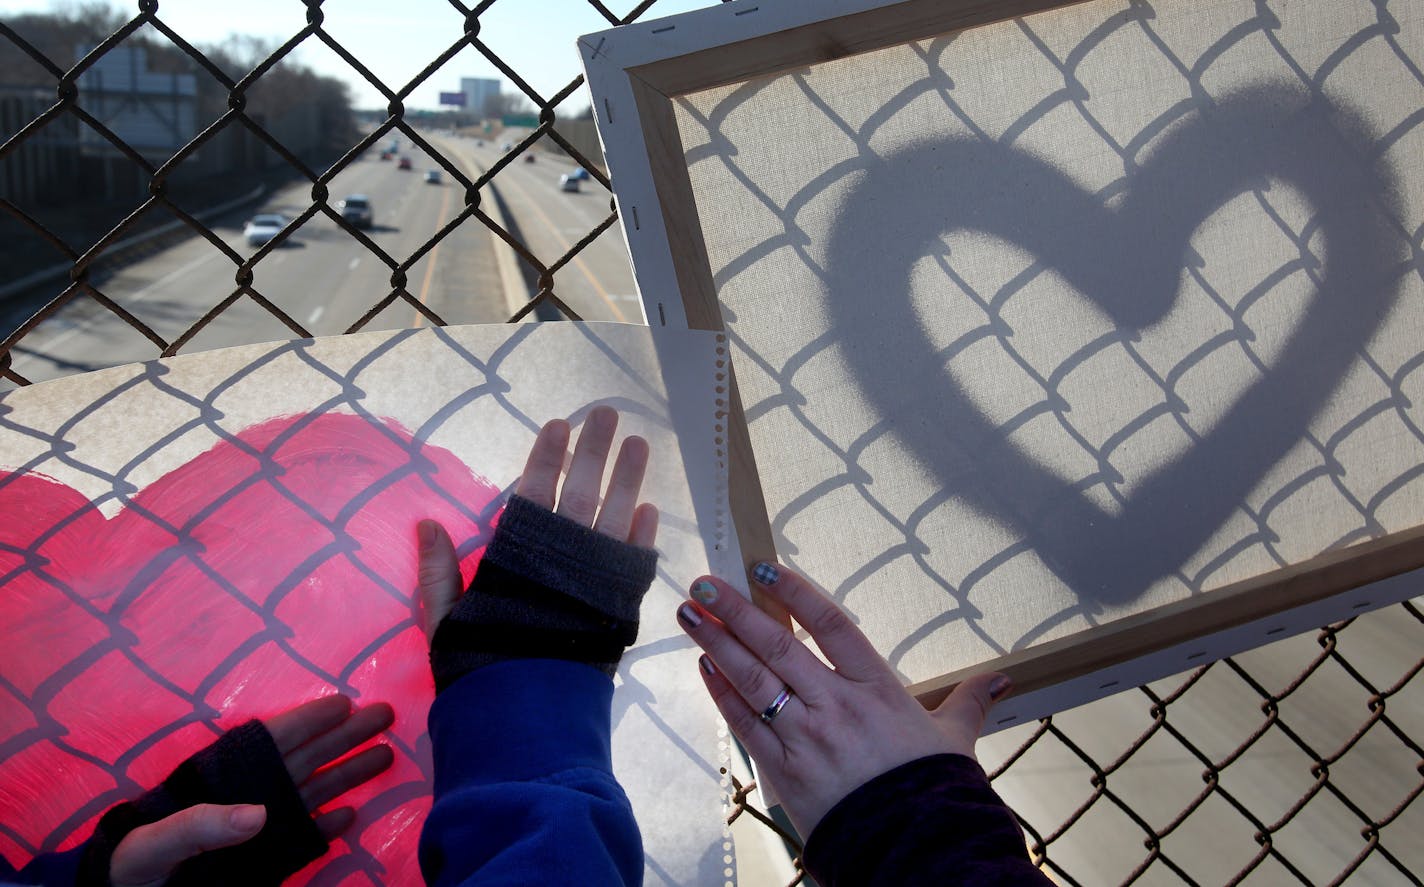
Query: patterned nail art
[[704, 592], [766, 574]]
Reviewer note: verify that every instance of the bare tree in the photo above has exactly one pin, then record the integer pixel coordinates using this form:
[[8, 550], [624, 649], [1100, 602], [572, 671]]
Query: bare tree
[[506, 103]]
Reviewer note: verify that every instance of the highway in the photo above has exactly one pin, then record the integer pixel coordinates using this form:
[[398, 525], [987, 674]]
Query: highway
[[326, 280], [598, 282]]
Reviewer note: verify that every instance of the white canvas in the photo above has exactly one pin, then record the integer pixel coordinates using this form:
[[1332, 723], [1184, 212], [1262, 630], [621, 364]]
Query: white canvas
[[1068, 317]]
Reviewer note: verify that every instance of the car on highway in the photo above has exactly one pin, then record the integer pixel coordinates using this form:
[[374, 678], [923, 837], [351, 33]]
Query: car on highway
[[528, 158], [567, 182], [432, 176], [580, 174], [357, 210], [263, 227], [404, 163], [507, 147]]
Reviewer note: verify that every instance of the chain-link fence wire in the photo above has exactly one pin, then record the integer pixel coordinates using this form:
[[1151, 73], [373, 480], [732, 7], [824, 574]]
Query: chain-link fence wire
[[1168, 798], [208, 562], [1277, 750]]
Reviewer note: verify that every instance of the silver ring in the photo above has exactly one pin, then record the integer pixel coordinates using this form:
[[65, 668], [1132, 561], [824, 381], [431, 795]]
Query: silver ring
[[777, 705]]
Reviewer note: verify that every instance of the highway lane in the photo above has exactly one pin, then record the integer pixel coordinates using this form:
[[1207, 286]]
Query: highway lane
[[598, 282], [323, 277]]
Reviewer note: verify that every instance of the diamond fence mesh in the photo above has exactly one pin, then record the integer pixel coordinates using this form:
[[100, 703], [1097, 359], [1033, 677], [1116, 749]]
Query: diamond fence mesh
[[243, 546], [1296, 762]]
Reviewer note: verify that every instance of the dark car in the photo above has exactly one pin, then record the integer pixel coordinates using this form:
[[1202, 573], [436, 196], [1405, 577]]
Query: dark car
[[404, 163], [357, 210]]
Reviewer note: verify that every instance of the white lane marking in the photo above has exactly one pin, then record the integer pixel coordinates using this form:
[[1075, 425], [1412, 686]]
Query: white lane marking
[[354, 262], [316, 315]]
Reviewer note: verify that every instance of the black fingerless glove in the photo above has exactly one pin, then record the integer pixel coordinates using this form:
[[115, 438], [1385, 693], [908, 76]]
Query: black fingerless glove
[[546, 588], [244, 766]]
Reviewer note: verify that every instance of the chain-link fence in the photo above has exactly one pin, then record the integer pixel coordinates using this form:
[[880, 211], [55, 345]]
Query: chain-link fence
[[1297, 762]]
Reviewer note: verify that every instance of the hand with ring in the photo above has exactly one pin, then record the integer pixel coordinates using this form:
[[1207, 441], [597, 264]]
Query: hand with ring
[[818, 733]]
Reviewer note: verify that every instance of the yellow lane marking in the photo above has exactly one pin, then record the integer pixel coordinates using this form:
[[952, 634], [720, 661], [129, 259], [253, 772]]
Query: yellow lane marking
[[430, 259]]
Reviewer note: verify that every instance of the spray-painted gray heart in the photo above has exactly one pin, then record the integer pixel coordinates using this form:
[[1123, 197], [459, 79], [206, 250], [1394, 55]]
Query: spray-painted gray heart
[[1125, 256]]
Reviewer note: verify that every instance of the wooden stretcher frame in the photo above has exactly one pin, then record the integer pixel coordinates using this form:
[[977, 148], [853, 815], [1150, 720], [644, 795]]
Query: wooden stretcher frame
[[636, 72]]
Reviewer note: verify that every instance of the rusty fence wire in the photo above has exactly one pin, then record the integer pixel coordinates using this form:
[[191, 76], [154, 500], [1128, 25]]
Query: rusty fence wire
[[1259, 758]]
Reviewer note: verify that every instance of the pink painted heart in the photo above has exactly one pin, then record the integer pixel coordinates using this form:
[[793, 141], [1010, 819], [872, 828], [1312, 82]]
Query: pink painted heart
[[276, 567]]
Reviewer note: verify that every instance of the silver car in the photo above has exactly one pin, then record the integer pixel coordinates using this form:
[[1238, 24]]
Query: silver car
[[357, 210], [263, 227]]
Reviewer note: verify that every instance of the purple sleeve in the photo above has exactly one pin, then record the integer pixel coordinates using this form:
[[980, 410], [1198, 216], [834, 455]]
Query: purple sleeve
[[931, 821]]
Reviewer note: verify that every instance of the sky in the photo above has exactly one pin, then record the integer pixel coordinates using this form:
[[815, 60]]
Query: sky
[[396, 39]]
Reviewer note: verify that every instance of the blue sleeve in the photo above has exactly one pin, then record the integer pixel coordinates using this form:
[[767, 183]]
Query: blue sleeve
[[47, 869], [524, 786]]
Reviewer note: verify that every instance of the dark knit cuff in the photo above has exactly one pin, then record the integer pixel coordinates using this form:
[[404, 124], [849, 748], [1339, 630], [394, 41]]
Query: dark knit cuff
[[548, 588], [550, 550], [244, 766], [932, 821]]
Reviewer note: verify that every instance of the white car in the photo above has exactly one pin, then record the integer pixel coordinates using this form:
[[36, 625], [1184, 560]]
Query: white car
[[262, 228], [357, 210], [567, 182]]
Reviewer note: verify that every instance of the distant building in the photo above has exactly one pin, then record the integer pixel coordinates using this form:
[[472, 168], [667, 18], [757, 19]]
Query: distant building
[[479, 91]]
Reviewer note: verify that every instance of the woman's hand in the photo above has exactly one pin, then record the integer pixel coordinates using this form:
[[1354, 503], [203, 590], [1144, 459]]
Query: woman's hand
[[620, 516], [838, 728], [310, 737]]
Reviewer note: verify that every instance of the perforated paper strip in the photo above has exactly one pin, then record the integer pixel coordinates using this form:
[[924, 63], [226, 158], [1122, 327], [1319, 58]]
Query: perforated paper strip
[[1075, 315], [250, 544]]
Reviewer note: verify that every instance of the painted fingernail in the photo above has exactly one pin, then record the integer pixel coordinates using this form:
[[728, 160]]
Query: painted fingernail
[[688, 616], [765, 573], [704, 592], [999, 686], [706, 665]]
